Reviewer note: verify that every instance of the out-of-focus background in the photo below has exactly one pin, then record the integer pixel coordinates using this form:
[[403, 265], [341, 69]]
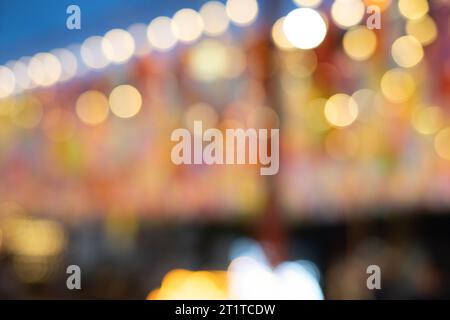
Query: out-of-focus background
[[362, 102]]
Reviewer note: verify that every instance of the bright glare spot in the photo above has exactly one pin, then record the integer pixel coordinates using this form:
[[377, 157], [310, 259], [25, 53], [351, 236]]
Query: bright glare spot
[[208, 61], [125, 101], [187, 25], [341, 110], [44, 69], [118, 45], [305, 28], [250, 279], [413, 9], [407, 51], [92, 107], [279, 37], [160, 34], [92, 53], [214, 17], [7, 82], [442, 143], [424, 30], [68, 62], [397, 85], [347, 13], [308, 3], [198, 285], [428, 120], [242, 12], [360, 43]]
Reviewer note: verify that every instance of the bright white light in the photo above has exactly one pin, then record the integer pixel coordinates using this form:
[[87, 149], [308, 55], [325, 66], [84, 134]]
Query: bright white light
[[187, 25], [44, 69], [118, 45], [68, 63], [253, 280], [305, 28], [92, 54], [242, 12], [215, 18], [7, 82], [160, 34]]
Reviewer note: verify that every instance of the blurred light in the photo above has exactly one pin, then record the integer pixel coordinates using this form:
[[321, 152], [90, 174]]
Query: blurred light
[[413, 9], [214, 17], [360, 43], [20, 70], [299, 281], [253, 280], [118, 45], [199, 285], [160, 34], [68, 61], [92, 53], [35, 238], [442, 143], [208, 61], [341, 110], [279, 37], [382, 4], [428, 120], [397, 85], [44, 69], [27, 112], [187, 25], [242, 12], [347, 13], [308, 3], [92, 107], [125, 101], [407, 51], [305, 28], [139, 33], [7, 82], [424, 30]]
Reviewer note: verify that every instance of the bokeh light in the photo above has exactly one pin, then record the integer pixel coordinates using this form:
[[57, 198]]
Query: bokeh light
[[125, 101], [398, 85], [305, 28], [347, 13], [360, 43], [118, 45], [341, 110], [92, 107], [242, 12], [424, 30], [442, 143], [160, 34], [215, 18], [92, 53], [7, 82], [413, 9], [187, 25], [44, 69], [407, 51]]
